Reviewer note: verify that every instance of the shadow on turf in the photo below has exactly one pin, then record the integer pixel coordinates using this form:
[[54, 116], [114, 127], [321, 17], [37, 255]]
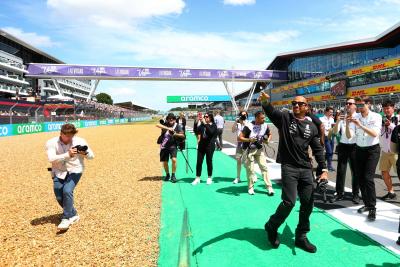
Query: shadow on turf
[[151, 178], [49, 219], [385, 264], [257, 237], [353, 237], [237, 190]]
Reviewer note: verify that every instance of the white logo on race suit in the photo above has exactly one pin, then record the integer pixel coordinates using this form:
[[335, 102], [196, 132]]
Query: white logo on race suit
[[185, 73], [3, 131], [143, 72], [307, 131]]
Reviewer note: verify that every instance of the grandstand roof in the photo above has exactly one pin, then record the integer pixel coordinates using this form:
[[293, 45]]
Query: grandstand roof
[[132, 106], [28, 46], [388, 38]]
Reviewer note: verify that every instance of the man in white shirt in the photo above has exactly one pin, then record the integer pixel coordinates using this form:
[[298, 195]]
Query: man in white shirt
[[328, 122], [346, 152], [219, 121], [388, 158], [66, 154], [368, 129]]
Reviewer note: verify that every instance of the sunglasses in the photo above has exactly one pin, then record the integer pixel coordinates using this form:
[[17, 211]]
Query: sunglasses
[[295, 103], [349, 103], [206, 116]]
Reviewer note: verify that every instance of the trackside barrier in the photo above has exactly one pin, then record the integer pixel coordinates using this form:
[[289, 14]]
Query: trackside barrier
[[30, 128]]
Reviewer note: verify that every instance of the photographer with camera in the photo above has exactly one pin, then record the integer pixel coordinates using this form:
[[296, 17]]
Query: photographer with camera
[[206, 135], [171, 134], [66, 154], [388, 158], [253, 136], [296, 134], [237, 127]]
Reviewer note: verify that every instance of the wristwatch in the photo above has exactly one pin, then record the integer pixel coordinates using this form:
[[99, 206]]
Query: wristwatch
[[325, 170]]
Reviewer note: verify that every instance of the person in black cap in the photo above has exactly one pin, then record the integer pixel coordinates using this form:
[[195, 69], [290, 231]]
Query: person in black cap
[[296, 134], [171, 133]]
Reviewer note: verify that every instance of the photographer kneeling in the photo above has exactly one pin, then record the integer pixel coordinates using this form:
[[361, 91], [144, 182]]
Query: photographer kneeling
[[66, 154], [170, 135], [253, 136]]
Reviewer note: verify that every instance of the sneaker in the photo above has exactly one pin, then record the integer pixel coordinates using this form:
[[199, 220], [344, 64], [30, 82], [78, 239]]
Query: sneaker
[[305, 245], [251, 191], [363, 209], [209, 181], [74, 219], [371, 215], [173, 178], [398, 241], [196, 181], [356, 199], [270, 191], [167, 177], [255, 179], [336, 197], [272, 236], [236, 181], [64, 225], [389, 195]]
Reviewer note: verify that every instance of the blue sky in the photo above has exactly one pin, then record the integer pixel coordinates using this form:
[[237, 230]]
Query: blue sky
[[243, 34]]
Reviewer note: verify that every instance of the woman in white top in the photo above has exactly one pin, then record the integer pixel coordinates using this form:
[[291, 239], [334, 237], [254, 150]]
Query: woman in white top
[[237, 128]]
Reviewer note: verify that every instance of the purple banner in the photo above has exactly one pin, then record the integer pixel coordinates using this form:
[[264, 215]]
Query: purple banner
[[108, 72]]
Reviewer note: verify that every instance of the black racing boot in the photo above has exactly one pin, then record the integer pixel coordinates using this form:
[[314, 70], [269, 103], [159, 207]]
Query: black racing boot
[[272, 236], [305, 244]]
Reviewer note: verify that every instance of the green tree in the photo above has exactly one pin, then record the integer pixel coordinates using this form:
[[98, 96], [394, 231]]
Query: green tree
[[104, 98]]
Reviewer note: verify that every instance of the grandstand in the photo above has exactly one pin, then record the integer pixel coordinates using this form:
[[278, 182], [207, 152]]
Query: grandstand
[[328, 74], [24, 99]]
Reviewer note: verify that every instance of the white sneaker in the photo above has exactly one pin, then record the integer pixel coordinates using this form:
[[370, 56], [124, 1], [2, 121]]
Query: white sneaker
[[74, 219], [209, 181], [236, 181], [64, 225], [251, 191], [255, 179], [196, 181], [270, 191]]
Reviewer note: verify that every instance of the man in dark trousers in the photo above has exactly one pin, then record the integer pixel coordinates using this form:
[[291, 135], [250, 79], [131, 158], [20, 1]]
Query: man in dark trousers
[[296, 134]]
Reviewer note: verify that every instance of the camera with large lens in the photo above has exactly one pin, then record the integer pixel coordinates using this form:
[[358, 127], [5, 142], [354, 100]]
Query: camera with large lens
[[259, 142]]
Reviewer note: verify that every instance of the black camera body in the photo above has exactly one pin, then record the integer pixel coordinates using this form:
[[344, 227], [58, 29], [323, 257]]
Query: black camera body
[[259, 142], [80, 148]]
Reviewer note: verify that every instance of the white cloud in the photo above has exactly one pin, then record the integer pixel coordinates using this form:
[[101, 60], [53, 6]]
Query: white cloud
[[31, 37], [117, 13], [239, 2]]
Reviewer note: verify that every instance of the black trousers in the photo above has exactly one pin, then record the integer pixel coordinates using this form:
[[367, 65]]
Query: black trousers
[[346, 154], [367, 159], [295, 180], [208, 152], [219, 137]]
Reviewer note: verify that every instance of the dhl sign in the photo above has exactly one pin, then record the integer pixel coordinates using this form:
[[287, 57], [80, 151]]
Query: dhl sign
[[376, 90], [379, 66], [352, 72]]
